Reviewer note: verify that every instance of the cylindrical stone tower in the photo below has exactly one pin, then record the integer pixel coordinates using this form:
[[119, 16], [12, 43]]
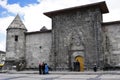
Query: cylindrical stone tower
[[15, 42]]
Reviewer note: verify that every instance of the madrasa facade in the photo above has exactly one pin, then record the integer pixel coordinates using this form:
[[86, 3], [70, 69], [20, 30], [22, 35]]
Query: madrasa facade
[[77, 34]]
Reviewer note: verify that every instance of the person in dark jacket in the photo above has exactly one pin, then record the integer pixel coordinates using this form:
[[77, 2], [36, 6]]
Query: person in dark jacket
[[43, 68], [40, 68], [95, 68]]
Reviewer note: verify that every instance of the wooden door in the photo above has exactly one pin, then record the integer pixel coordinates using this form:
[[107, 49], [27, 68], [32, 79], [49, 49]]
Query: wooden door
[[81, 61]]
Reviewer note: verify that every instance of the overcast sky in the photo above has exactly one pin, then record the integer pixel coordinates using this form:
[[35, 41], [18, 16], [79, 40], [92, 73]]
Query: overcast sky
[[31, 13]]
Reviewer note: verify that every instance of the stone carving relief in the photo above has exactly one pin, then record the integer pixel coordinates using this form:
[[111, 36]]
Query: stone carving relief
[[76, 41]]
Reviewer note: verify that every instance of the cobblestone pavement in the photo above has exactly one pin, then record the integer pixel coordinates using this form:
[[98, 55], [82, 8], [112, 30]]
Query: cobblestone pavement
[[6, 76]]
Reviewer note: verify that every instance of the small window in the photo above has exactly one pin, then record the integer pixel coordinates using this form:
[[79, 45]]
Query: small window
[[16, 38]]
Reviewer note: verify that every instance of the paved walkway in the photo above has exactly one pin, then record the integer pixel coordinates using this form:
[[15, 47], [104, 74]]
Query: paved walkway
[[64, 72], [60, 76]]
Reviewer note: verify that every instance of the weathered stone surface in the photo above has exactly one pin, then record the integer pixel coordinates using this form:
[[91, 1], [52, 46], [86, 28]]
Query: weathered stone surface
[[113, 33], [84, 28], [15, 49], [38, 48], [30, 48]]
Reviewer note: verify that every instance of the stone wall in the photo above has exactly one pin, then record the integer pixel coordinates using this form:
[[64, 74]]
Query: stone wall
[[86, 23], [112, 31], [38, 48], [15, 49]]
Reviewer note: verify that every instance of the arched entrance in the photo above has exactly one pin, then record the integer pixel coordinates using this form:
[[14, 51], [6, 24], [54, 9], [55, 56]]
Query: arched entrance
[[80, 59]]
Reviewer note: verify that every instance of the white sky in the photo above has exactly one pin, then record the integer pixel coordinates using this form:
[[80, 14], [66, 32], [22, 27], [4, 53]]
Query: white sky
[[34, 19]]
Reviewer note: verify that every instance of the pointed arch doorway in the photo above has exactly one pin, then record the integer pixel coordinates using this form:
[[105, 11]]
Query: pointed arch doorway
[[77, 61], [76, 50], [80, 59]]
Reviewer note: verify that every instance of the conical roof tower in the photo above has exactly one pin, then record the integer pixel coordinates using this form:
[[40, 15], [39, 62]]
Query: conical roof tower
[[17, 23], [15, 42], [43, 29]]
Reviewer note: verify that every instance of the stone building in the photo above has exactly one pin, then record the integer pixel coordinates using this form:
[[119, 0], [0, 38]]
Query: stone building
[[2, 58], [112, 37], [77, 34]]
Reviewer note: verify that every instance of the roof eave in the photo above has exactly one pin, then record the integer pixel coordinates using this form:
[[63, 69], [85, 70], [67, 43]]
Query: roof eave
[[110, 23], [101, 5], [47, 31]]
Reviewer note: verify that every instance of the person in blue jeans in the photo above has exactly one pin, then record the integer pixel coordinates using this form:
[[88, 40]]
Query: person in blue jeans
[[46, 68]]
